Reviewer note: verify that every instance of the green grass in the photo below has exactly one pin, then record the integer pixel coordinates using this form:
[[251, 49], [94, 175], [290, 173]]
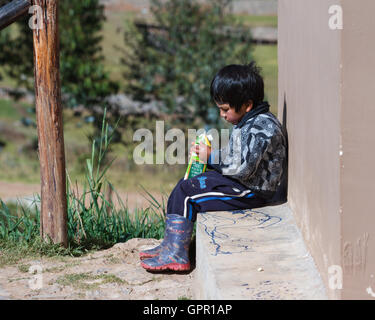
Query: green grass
[[24, 268], [11, 111], [20, 163], [12, 252], [6, 81], [266, 58], [7, 110], [256, 21], [113, 39], [92, 221], [87, 281], [19, 160]]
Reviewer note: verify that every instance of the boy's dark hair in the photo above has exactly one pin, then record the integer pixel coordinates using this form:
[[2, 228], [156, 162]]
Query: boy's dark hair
[[237, 85]]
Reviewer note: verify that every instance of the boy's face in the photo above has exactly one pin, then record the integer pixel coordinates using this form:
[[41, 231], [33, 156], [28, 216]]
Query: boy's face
[[229, 114]]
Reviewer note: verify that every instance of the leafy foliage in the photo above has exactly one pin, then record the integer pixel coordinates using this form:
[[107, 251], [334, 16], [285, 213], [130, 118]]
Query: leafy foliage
[[83, 78], [175, 61]]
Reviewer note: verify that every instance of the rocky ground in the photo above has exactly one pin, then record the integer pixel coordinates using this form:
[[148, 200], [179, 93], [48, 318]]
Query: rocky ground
[[113, 274]]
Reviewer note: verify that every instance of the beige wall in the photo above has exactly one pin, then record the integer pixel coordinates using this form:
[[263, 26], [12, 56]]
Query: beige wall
[[358, 136], [325, 79]]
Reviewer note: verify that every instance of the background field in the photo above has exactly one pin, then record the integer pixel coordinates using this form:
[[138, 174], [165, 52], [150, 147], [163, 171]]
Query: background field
[[18, 138]]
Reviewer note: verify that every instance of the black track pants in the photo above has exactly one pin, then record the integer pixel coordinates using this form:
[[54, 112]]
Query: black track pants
[[210, 191]]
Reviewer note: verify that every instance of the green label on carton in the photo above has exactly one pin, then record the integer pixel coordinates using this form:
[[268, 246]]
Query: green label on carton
[[196, 167]]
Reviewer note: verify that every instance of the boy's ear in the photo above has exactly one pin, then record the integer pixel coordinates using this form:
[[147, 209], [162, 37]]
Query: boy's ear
[[249, 106]]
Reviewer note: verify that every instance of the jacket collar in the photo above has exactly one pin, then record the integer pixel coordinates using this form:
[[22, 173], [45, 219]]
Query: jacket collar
[[263, 107]]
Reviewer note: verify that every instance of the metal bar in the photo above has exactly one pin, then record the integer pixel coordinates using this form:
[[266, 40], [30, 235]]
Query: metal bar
[[12, 11]]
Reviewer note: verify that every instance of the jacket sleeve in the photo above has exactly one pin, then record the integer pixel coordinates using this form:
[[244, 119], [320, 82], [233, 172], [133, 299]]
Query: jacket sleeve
[[214, 160]]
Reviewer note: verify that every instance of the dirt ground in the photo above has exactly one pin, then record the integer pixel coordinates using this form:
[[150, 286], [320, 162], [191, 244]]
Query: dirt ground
[[114, 274]]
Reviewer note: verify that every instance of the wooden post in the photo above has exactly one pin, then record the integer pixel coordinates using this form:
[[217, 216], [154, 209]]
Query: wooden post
[[12, 12], [53, 219]]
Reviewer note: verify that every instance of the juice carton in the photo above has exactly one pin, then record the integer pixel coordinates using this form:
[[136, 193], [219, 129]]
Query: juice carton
[[196, 166]]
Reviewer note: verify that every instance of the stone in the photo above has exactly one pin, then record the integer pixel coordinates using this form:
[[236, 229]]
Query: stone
[[261, 248]]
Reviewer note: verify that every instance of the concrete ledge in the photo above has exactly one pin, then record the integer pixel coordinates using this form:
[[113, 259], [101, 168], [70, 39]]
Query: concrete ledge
[[254, 254]]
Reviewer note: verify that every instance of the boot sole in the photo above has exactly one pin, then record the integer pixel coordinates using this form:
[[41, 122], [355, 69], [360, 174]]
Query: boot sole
[[169, 266]]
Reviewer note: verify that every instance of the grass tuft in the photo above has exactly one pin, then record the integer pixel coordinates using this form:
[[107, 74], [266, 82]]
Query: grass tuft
[[92, 219]]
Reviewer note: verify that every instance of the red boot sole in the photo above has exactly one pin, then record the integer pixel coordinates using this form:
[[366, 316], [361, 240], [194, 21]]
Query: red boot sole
[[170, 266]]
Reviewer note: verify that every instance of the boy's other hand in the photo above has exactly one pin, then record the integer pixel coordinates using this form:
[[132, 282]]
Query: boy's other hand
[[202, 150]]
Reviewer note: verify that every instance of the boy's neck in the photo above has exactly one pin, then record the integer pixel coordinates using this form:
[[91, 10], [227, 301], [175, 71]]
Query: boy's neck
[[263, 107]]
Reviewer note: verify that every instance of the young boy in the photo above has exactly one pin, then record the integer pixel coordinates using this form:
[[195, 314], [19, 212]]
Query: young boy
[[246, 174]]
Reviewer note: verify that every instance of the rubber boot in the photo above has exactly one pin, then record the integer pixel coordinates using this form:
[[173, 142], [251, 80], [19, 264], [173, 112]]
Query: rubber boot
[[150, 253], [174, 254]]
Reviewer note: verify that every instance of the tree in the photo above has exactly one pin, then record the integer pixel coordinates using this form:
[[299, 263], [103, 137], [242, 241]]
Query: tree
[[83, 78], [176, 60], [16, 51]]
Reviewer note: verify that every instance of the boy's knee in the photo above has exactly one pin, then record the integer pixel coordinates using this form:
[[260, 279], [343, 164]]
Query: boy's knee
[[183, 187], [195, 185], [187, 187]]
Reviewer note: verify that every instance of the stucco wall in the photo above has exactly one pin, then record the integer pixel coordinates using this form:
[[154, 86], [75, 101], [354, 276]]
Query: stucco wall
[[358, 148], [309, 84], [326, 82]]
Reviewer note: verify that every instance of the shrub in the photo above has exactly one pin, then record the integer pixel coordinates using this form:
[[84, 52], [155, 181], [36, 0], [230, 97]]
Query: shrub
[[83, 77], [175, 61]]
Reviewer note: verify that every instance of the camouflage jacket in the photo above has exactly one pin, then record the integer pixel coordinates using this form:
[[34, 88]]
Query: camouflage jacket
[[256, 152]]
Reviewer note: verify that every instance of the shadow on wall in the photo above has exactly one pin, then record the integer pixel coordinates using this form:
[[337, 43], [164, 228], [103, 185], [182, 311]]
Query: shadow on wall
[[281, 195]]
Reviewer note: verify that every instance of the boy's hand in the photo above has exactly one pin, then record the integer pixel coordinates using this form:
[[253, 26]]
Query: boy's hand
[[202, 150]]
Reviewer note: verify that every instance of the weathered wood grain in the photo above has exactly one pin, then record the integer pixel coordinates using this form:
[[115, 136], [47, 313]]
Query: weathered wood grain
[[50, 125]]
